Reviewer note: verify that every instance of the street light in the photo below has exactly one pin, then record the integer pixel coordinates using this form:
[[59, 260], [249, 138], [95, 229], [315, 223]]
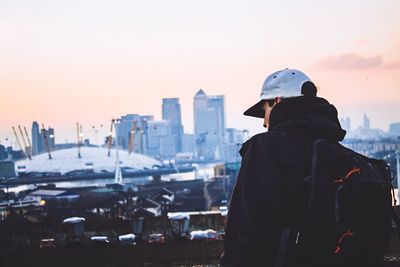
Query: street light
[[96, 131]]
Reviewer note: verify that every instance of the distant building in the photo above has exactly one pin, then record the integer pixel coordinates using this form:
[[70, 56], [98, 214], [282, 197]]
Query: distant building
[[365, 131], [3, 153], [125, 128], [37, 139], [142, 133], [394, 129], [160, 141], [150, 206], [39, 144], [346, 124], [234, 141], [51, 137], [14, 154], [188, 143], [133, 128], [366, 122], [374, 148], [7, 169], [171, 111], [209, 125]]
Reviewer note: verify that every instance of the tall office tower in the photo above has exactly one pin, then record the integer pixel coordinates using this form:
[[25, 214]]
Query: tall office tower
[[171, 111], [52, 138], [49, 134], [37, 139], [143, 133], [209, 126], [366, 123]]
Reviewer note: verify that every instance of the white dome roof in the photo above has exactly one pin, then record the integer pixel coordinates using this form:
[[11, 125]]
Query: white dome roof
[[95, 158]]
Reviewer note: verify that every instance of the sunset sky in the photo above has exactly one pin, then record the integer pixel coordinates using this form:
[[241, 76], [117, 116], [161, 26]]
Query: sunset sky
[[90, 61]]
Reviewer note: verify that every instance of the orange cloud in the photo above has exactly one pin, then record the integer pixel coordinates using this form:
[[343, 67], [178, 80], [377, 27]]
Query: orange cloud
[[350, 61]]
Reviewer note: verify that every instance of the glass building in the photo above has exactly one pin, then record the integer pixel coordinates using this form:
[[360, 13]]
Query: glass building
[[209, 126], [171, 111]]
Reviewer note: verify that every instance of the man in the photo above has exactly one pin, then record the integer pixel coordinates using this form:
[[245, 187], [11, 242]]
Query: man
[[269, 194]]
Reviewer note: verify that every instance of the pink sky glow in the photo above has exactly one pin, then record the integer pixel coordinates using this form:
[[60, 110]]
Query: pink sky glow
[[90, 61]]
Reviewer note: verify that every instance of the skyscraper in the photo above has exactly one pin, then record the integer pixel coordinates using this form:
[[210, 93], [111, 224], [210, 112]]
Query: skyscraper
[[37, 139], [52, 138], [133, 128], [209, 125], [366, 122], [51, 141], [171, 111]]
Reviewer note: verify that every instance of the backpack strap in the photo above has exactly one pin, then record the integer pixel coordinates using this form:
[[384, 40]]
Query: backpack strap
[[285, 252], [396, 219]]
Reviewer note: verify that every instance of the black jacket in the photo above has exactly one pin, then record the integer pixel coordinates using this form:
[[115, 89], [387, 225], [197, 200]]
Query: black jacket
[[269, 194]]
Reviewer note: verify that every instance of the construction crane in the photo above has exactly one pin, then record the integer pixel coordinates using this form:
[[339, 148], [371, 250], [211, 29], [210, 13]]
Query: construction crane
[[46, 141], [78, 134], [23, 138], [29, 143], [26, 148], [19, 143], [132, 137], [110, 137]]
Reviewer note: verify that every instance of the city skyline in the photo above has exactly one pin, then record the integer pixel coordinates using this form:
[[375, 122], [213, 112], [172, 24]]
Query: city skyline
[[91, 61], [97, 134]]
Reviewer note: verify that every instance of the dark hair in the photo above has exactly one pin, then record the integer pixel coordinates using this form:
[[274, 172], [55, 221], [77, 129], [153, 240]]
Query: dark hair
[[308, 89]]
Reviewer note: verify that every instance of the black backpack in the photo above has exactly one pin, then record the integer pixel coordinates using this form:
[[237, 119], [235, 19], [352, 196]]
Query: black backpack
[[349, 212]]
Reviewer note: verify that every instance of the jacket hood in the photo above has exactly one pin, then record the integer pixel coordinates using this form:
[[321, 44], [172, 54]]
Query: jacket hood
[[314, 117]]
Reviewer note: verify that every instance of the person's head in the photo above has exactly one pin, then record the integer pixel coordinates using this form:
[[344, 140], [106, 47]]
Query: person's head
[[286, 83]]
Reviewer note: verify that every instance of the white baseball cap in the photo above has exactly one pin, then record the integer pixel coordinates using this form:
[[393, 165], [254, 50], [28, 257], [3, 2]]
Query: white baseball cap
[[283, 83]]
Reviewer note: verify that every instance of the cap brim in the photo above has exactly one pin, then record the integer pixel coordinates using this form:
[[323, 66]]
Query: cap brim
[[257, 110]]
